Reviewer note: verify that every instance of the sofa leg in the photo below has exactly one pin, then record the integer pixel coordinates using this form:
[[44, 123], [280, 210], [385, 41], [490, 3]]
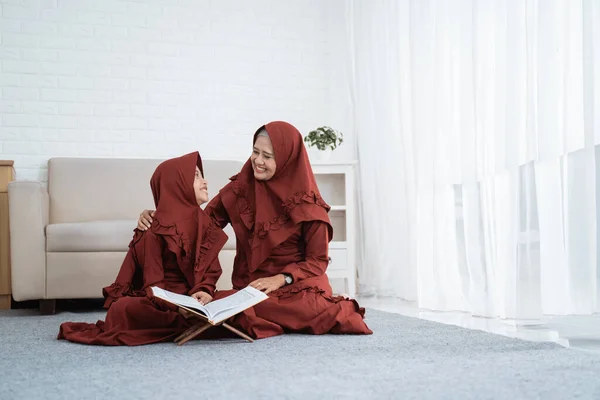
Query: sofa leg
[[5, 301], [48, 307]]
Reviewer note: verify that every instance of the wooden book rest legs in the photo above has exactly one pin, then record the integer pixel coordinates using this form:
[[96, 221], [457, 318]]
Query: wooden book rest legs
[[237, 332], [203, 325], [192, 333]]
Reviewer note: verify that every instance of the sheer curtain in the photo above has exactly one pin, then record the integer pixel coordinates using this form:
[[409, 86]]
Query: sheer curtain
[[477, 125]]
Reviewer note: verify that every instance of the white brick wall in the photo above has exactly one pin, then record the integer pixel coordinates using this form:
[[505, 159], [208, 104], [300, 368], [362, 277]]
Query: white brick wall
[[158, 78]]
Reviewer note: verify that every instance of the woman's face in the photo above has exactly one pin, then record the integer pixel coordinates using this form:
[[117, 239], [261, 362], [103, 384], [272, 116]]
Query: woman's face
[[200, 188], [263, 159]]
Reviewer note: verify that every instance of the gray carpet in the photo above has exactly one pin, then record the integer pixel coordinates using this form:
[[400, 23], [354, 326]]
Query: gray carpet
[[406, 358]]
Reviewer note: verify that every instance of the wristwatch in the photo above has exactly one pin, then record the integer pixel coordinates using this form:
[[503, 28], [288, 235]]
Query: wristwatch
[[288, 279]]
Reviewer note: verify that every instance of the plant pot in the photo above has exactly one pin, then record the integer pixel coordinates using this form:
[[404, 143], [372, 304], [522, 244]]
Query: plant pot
[[320, 155], [326, 154]]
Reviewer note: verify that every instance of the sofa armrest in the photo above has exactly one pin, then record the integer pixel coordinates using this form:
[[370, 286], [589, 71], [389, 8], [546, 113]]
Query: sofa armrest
[[28, 205]]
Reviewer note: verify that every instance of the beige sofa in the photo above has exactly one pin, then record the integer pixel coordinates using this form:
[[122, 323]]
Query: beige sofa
[[67, 242]]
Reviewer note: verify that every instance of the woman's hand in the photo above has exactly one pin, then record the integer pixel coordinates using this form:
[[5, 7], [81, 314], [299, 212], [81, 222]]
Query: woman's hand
[[202, 297], [270, 284], [145, 220]]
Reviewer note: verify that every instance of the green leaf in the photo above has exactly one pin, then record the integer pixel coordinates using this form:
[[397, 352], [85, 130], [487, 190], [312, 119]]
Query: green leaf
[[324, 137]]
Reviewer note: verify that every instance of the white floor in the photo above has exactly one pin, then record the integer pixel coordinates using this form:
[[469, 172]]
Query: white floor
[[580, 332]]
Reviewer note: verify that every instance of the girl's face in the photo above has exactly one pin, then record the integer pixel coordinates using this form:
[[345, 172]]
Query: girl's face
[[200, 187]]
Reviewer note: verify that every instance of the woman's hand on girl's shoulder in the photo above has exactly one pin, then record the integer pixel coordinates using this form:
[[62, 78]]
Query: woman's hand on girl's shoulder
[[145, 220]]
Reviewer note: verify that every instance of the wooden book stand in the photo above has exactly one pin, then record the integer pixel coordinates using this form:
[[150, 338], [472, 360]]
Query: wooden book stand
[[203, 325]]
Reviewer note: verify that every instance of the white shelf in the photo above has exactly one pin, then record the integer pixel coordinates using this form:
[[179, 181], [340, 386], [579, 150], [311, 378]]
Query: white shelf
[[332, 186], [330, 163], [336, 184]]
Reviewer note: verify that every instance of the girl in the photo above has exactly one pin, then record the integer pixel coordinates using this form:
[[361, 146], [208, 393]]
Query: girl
[[177, 253]]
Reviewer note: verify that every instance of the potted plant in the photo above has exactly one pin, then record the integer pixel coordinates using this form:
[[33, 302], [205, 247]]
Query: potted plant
[[325, 139]]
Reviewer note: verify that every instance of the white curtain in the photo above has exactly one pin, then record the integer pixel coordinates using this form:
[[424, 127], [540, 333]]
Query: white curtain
[[477, 126]]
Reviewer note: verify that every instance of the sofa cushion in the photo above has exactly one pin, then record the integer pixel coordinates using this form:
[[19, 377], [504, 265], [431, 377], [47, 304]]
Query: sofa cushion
[[98, 236], [90, 236]]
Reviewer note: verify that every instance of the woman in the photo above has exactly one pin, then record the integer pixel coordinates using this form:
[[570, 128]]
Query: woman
[[177, 253], [282, 229]]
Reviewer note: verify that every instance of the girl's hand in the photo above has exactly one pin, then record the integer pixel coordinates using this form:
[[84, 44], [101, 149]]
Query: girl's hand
[[202, 297]]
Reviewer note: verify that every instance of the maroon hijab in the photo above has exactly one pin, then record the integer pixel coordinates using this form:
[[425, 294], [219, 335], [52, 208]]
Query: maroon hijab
[[271, 210], [188, 232]]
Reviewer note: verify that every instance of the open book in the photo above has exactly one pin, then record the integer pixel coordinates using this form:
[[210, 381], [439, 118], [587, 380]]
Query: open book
[[219, 310]]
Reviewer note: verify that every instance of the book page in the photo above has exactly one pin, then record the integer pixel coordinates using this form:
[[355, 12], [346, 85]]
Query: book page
[[231, 305], [180, 299], [228, 302], [218, 310]]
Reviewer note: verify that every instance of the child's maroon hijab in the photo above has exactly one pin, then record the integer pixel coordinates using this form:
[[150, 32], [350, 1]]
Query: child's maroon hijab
[[188, 232], [271, 210], [178, 217]]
